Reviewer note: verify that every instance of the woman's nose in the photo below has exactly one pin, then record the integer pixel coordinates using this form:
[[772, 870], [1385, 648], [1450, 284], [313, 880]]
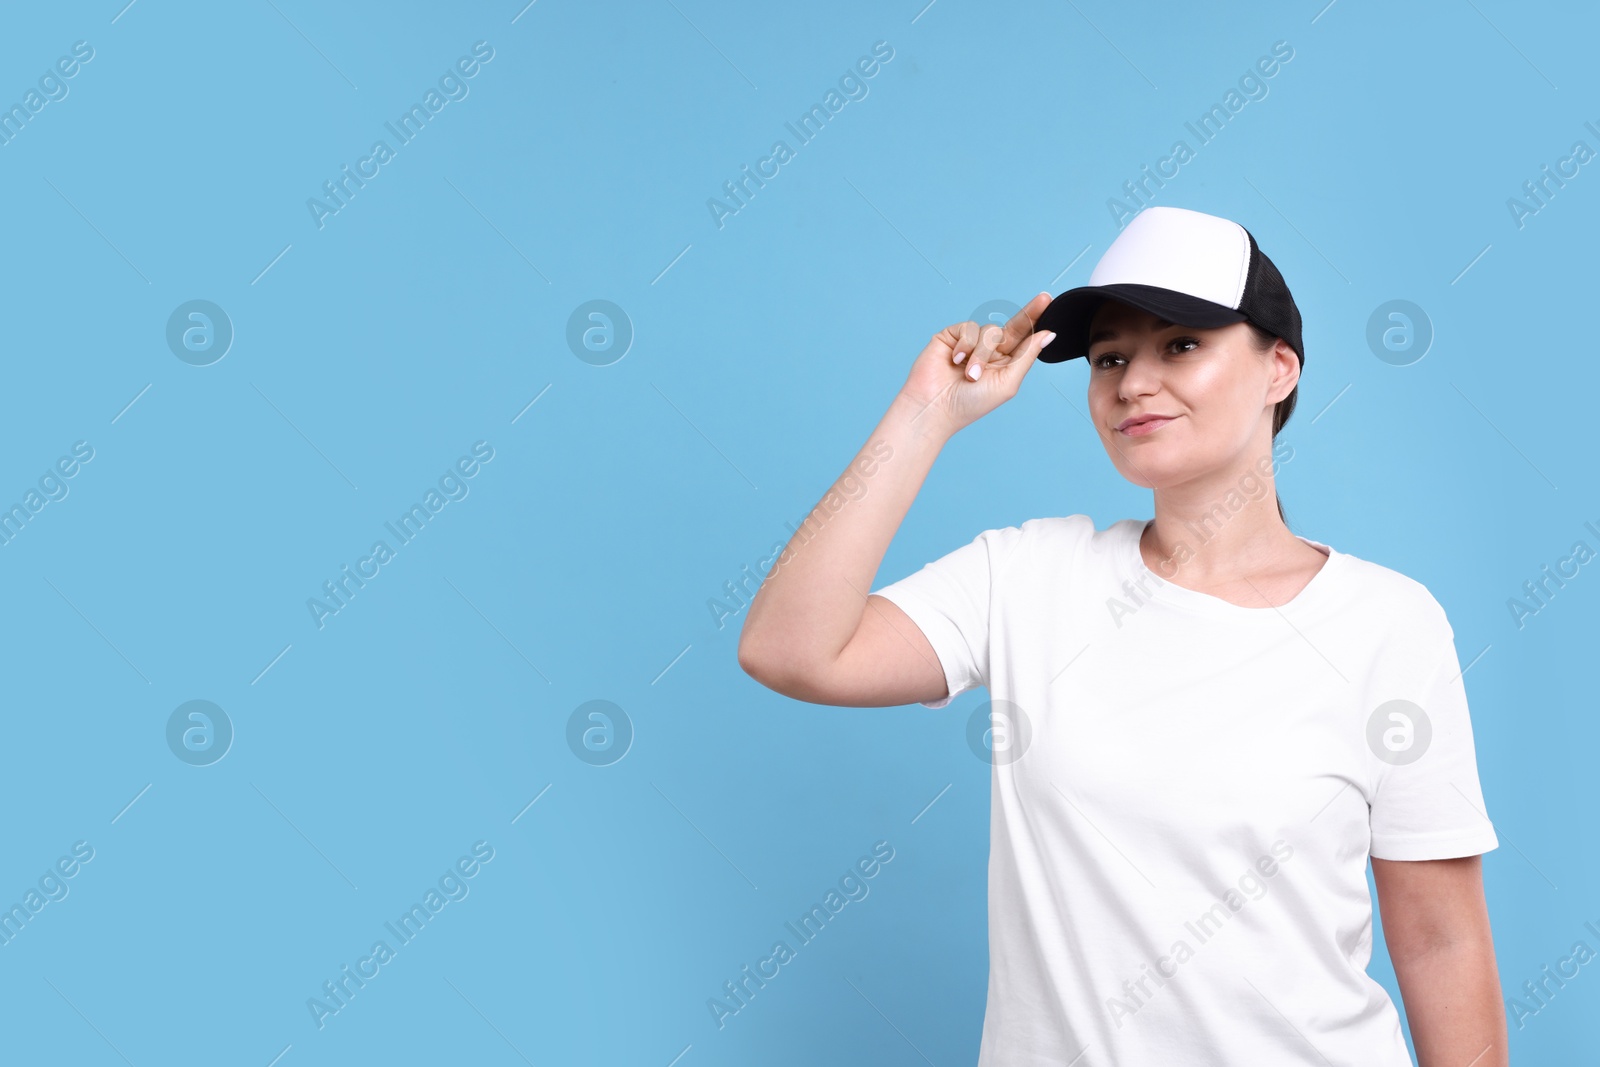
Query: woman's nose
[[1142, 374]]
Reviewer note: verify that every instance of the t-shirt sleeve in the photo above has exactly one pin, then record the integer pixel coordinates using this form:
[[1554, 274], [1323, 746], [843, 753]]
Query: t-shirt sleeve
[[1432, 806], [949, 600]]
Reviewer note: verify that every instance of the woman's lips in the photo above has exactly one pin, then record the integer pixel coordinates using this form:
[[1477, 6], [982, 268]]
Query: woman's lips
[[1149, 426]]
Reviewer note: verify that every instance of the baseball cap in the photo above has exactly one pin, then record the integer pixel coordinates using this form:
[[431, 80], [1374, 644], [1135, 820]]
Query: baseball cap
[[1187, 267]]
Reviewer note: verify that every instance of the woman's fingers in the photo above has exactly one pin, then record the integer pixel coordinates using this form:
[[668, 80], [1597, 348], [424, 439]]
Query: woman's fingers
[[1029, 350], [1020, 326], [975, 345], [966, 340], [1015, 365], [1019, 361], [983, 352]]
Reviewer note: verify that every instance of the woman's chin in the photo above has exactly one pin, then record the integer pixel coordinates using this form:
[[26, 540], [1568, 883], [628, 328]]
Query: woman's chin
[[1152, 475]]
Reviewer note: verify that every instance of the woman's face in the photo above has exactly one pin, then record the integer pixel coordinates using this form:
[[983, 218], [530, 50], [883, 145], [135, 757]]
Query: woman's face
[[1214, 389]]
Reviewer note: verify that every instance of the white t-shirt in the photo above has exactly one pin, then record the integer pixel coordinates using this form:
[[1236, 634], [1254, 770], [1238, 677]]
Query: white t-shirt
[[1186, 791]]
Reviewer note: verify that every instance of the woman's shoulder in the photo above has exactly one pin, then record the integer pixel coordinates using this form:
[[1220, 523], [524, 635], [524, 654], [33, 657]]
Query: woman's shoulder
[[1054, 531], [1392, 595], [1060, 530], [1059, 540], [1071, 527]]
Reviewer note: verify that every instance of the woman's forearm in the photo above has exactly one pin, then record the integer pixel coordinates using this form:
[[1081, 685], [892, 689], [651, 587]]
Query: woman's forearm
[[812, 600], [1452, 998]]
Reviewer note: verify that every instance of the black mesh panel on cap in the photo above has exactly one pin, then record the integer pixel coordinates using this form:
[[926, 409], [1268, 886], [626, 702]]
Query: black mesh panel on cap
[[1268, 302]]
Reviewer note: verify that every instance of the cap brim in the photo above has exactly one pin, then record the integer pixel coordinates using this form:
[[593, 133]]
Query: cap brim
[[1070, 313]]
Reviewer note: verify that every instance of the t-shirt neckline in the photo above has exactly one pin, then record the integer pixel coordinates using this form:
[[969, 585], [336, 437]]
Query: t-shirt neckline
[[1174, 593]]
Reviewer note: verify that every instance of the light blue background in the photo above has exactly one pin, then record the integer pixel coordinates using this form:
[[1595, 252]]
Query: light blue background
[[428, 313]]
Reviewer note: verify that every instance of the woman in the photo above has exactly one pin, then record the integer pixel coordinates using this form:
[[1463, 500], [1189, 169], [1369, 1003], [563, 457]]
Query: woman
[[1209, 723]]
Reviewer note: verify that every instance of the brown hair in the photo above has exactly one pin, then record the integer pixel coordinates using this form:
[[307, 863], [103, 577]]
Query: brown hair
[[1264, 340]]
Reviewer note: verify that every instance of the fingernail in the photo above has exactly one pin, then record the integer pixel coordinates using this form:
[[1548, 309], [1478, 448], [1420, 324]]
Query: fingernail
[[960, 356], [1048, 335]]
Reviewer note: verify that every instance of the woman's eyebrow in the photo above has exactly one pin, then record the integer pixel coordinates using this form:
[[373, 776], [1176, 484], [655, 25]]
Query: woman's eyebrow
[[1106, 333]]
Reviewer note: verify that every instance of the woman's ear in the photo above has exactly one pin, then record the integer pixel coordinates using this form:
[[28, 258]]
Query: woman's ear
[[1286, 369]]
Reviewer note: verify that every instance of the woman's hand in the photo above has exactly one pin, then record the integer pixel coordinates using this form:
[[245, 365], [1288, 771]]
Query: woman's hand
[[968, 370]]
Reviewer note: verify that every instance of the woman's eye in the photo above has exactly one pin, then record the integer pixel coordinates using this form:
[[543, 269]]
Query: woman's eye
[[1100, 362]]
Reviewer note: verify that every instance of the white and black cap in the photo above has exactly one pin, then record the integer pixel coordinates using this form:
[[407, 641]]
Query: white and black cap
[[1185, 266]]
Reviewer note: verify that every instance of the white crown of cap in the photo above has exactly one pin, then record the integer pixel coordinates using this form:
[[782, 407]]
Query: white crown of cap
[[1175, 248]]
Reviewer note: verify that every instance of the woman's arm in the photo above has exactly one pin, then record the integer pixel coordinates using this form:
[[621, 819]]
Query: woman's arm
[[1436, 925], [811, 603], [810, 606]]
